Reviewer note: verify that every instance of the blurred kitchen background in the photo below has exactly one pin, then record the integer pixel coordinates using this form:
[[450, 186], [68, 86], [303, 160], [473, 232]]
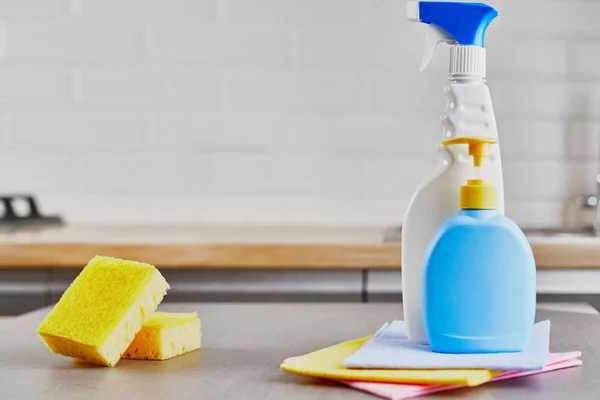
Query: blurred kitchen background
[[312, 113]]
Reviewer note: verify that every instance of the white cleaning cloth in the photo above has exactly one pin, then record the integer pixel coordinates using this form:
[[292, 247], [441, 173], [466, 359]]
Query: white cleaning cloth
[[389, 348]]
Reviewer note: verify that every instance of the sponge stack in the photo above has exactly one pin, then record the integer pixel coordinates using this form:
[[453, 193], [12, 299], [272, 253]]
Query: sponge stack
[[99, 315]]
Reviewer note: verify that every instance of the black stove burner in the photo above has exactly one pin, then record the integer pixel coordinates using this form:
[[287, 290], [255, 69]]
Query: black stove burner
[[11, 219]]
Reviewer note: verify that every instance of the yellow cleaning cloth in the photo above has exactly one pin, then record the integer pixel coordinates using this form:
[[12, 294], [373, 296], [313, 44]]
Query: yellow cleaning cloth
[[327, 363], [100, 313], [166, 335]]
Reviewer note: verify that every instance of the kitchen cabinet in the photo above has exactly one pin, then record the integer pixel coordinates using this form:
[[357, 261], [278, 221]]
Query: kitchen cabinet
[[245, 285], [23, 291], [552, 284], [264, 285]]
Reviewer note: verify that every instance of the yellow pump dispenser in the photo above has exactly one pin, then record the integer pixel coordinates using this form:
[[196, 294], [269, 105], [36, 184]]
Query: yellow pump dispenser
[[477, 194]]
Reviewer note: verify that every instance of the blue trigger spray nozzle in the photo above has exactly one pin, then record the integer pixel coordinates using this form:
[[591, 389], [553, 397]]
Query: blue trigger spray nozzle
[[462, 24]]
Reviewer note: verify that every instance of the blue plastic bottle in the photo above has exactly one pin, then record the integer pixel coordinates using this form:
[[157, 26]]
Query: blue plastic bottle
[[479, 274]]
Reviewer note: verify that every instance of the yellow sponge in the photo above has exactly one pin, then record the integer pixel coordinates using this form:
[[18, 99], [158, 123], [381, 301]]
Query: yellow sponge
[[166, 335], [103, 309]]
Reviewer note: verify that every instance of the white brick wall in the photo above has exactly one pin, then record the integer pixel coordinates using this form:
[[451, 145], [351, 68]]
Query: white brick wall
[[279, 111], [34, 7], [71, 42], [217, 46], [75, 132], [197, 10], [145, 85], [278, 89], [34, 86], [289, 13]]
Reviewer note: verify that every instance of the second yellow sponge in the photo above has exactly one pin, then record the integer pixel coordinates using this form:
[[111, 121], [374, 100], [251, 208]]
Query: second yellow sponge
[[98, 316], [166, 335]]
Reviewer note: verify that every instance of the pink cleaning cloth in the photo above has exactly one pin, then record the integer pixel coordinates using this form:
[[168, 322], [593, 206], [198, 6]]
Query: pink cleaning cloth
[[400, 391]]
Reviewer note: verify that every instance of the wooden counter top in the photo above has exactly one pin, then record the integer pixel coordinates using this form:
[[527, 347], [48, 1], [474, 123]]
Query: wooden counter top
[[244, 247], [202, 247]]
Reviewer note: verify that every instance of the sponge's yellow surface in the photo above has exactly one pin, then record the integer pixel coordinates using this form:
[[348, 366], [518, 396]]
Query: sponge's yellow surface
[[100, 313], [166, 335]]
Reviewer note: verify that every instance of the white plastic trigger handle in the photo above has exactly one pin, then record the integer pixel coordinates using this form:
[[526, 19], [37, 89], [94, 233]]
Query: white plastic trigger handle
[[435, 35]]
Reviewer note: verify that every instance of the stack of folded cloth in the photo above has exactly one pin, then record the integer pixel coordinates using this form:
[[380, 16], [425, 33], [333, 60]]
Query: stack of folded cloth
[[389, 366]]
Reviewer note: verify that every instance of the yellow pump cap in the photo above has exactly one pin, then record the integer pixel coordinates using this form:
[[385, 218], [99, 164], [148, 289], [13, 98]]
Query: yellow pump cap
[[477, 194]]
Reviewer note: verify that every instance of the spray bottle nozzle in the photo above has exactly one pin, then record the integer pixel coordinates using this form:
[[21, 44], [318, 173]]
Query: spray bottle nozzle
[[451, 22], [477, 193], [479, 147]]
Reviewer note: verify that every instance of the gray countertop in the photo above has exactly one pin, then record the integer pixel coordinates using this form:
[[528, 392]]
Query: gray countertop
[[243, 346]]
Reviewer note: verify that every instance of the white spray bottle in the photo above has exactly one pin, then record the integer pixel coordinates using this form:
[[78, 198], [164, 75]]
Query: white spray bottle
[[468, 112]]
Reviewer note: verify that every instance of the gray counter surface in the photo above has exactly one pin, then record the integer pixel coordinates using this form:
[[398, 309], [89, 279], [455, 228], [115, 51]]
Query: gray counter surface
[[243, 346]]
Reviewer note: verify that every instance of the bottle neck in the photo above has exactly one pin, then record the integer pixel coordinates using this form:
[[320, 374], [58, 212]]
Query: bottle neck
[[479, 214], [466, 79], [467, 63]]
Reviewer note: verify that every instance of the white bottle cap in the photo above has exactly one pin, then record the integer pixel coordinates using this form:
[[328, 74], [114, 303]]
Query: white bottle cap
[[467, 61]]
